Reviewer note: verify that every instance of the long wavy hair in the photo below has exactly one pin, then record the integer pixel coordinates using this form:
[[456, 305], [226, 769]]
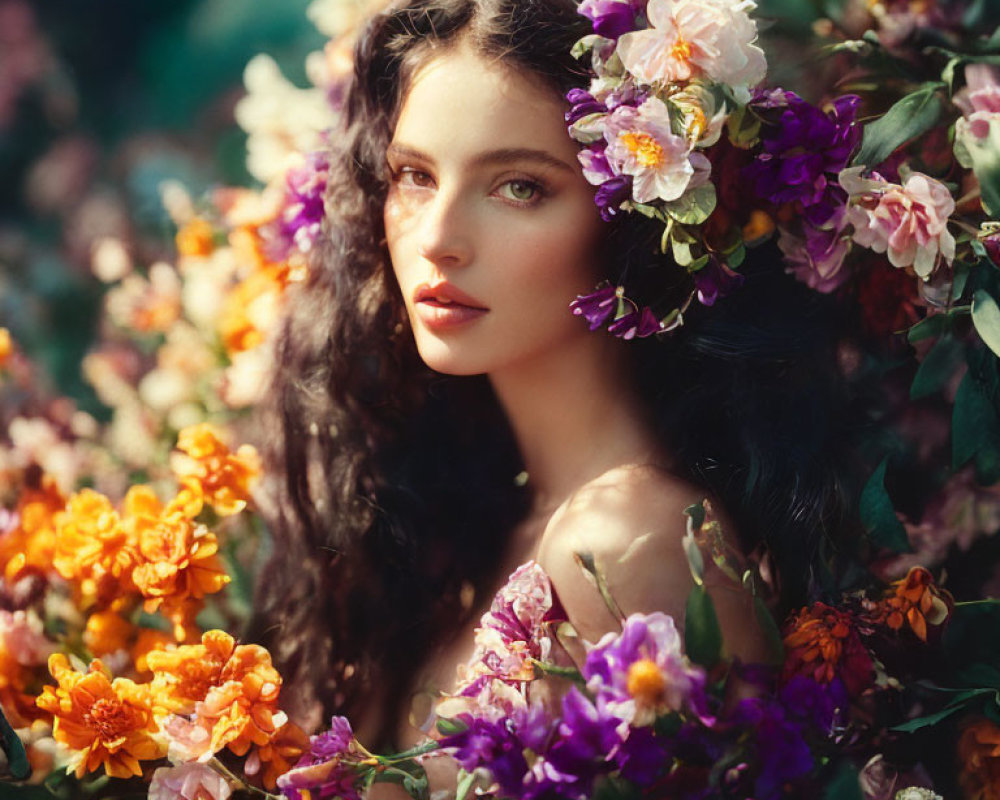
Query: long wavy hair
[[394, 489]]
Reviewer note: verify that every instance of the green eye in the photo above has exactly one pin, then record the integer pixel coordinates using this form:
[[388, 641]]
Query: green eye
[[522, 191]]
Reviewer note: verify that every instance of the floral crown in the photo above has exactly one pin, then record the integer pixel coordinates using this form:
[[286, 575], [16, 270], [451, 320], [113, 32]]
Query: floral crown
[[677, 126]]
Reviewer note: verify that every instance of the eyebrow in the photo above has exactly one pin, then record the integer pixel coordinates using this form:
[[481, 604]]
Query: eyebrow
[[500, 156]]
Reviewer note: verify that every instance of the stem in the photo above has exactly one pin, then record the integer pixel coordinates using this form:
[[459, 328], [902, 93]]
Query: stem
[[226, 773], [406, 755]]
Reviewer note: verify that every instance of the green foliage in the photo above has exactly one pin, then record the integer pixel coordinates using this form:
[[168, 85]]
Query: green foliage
[[975, 424], [693, 207], [911, 116], [986, 318], [878, 515], [937, 367], [702, 634], [983, 155], [844, 785], [17, 758]]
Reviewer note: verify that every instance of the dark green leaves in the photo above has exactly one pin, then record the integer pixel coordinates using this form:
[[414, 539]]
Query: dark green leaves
[[17, 758], [702, 635], [937, 367], [909, 117], [879, 517], [986, 318]]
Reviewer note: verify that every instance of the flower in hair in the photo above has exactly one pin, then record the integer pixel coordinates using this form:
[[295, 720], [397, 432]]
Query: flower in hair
[[908, 221], [642, 144], [695, 38]]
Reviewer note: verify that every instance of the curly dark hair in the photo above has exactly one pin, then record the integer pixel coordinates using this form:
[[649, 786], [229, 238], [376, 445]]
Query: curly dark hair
[[396, 486]]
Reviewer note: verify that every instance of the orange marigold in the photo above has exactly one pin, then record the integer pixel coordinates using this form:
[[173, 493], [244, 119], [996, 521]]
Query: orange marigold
[[915, 601], [32, 543], [182, 676], [195, 238], [177, 560], [822, 642], [93, 548], [102, 721], [233, 690], [148, 641], [279, 755], [107, 632], [251, 308], [979, 755], [224, 477]]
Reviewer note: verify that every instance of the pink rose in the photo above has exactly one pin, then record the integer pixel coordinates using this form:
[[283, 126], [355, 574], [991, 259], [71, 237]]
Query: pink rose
[[909, 222], [980, 99], [192, 781]]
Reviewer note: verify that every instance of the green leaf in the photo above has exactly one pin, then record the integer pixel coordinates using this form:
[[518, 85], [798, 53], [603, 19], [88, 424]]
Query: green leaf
[[969, 636], [702, 634], [909, 117], [973, 420], [932, 719], [682, 252], [694, 207], [449, 727], [17, 758], [961, 274], [466, 780], [937, 367], [878, 515], [986, 318], [983, 156], [929, 328], [844, 785]]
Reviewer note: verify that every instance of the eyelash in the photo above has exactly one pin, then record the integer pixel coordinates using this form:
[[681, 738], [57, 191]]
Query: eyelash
[[408, 176]]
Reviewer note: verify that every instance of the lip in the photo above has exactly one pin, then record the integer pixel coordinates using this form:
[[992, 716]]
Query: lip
[[442, 306]]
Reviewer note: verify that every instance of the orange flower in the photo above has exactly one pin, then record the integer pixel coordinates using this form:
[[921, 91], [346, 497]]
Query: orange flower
[[148, 641], [279, 755], [177, 561], [32, 543], [107, 632], [232, 689], [979, 755], [196, 238], [250, 309], [822, 642], [182, 676], [916, 601], [93, 549], [224, 477], [6, 347], [101, 721], [23, 647]]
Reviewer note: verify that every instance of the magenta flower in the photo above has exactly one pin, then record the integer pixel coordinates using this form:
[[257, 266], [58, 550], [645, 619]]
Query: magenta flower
[[641, 672], [803, 151], [328, 769], [298, 226], [598, 306], [910, 222], [817, 256], [715, 280], [612, 18], [636, 325]]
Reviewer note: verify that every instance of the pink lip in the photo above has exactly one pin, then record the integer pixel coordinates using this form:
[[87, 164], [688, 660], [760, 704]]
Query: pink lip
[[441, 306]]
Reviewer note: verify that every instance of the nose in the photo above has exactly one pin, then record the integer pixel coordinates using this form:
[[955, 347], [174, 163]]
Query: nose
[[445, 233]]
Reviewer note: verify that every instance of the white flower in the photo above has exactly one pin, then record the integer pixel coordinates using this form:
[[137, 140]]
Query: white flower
[[917, 793], [695, 38], [642, 144]]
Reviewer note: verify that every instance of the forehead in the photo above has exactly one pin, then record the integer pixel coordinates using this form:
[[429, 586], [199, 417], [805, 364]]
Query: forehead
[[460, 102]]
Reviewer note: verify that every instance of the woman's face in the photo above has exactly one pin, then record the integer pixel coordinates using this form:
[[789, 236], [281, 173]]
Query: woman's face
[[490, 225]]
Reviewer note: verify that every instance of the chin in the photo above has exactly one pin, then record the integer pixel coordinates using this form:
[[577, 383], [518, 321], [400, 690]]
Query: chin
[[448, 360]]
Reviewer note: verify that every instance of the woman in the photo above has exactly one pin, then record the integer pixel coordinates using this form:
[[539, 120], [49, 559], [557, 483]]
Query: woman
[[443, 417]]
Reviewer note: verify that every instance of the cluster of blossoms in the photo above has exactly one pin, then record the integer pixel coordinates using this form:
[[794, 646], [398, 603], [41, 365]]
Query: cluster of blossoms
[[667, 77]]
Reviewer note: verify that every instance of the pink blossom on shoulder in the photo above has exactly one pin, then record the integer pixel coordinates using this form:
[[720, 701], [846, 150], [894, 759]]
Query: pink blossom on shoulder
[[908, 221], [641, 143], [192, 781], [689, 39]]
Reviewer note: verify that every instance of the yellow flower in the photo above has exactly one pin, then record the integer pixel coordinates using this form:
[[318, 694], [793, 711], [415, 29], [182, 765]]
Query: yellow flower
[[250, 309], [93, 549], [979, 755], [102, 722], [224, 477]]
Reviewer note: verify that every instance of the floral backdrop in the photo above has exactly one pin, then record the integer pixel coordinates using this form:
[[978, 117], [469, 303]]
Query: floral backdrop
[[163, 168]]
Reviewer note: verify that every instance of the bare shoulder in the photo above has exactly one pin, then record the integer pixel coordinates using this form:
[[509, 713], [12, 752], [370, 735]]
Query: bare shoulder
[[631, 519]]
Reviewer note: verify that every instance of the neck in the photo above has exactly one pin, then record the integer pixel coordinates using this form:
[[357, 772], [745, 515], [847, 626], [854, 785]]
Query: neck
[[575, 415]]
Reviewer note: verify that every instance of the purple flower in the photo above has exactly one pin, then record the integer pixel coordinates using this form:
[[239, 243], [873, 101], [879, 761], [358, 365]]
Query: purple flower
[[298, 226], [612, 18], [494, 745], [611, 194], [582, 104], [642, 672], [635, 325], [803, 151], [326, 770], [782, 754], [817, 256], [715, 280], [597, 306], [823, 706]]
